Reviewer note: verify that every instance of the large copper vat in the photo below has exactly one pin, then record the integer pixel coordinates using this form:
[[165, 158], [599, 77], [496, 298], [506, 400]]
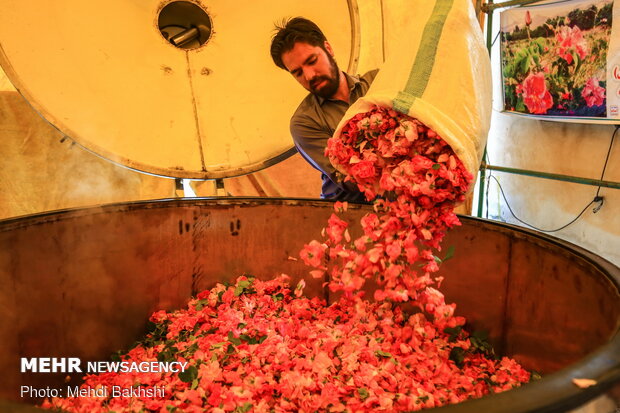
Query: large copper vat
[[82, 283]]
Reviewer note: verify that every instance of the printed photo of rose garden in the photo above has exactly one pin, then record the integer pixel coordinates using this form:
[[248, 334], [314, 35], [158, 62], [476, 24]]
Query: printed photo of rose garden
[[554, 58]]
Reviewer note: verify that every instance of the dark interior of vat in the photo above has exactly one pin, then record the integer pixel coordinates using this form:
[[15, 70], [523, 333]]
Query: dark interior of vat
[[83, 282]]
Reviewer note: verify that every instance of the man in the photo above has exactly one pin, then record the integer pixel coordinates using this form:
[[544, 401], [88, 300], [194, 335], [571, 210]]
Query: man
[[301, 48]]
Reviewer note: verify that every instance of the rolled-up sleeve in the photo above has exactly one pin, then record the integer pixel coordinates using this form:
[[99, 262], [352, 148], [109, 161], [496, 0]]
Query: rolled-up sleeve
[[311, 140]]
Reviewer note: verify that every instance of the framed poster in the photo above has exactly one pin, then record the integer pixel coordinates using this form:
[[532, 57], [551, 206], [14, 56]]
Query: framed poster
[[561, 61]]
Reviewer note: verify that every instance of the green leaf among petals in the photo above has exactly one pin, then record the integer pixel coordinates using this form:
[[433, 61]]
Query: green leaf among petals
[[247, 406], [189, 375], [363, 393], [449, 253], [457, 355], [244, 287], [380, 353], [234, 340]]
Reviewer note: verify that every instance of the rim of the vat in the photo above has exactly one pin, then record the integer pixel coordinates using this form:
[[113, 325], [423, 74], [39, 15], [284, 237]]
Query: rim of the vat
[[555, 392]]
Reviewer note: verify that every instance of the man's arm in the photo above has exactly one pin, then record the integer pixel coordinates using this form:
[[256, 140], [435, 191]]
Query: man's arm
[[311, 141]]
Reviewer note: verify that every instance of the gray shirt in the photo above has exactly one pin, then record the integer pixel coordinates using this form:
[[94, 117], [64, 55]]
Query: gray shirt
[[314, 122]]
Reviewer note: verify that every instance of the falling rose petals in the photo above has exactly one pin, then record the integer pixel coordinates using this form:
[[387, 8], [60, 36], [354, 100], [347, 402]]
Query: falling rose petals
[[418, 180]]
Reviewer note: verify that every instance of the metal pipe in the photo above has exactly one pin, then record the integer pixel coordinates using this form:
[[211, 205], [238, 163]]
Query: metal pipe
[[185, 36], [478, 9], [490, 6], [481, 185], [556, 177], [484, 156]]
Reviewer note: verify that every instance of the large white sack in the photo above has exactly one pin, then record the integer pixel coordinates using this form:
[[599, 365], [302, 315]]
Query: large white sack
[[438, 72]]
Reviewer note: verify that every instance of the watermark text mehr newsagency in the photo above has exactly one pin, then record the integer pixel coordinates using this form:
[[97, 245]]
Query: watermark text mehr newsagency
[[75, 365]]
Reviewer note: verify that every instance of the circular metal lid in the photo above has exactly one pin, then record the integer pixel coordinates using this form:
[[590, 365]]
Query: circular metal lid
[[184, 89]]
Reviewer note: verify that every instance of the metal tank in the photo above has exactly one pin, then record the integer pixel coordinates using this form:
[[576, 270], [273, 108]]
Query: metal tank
[[83, 283]]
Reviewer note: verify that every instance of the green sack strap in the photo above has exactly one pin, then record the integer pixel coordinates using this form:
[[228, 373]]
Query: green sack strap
[[425, 58]]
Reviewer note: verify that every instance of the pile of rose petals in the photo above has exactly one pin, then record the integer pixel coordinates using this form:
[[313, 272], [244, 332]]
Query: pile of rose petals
[[261, 346]]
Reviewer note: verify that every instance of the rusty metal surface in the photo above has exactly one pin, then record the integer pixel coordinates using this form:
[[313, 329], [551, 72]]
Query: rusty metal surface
[[479, 267], [557, 308], [83, 282]]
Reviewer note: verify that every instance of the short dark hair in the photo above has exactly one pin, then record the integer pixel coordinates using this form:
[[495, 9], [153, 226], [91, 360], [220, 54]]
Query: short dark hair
[[292, 31]]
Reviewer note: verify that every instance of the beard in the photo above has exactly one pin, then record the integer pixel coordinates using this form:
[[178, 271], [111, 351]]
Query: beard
[[332, 81]]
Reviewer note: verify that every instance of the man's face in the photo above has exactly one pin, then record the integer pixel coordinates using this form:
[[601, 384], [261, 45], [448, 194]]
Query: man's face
[[314, 68]]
